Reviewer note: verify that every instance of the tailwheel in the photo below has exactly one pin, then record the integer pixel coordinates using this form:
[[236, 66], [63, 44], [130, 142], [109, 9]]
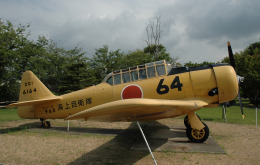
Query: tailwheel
[[198, 136], [45, 124], [48, 124]]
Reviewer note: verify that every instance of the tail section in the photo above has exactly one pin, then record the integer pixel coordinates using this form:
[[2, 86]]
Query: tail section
[[33, 91]]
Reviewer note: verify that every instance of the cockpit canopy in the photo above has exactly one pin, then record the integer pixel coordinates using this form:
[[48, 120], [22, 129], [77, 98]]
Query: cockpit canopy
[[141, 72]]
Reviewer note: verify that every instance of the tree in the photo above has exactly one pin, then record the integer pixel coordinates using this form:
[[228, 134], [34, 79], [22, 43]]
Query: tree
[[137, 57], [77, 73], [161, 53], [190, 64], [105, 61], [153, 32], [12, 40], [60, 70], [154, 47]]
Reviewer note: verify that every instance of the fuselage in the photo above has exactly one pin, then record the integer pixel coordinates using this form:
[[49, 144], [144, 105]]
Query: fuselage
[[213, 84]]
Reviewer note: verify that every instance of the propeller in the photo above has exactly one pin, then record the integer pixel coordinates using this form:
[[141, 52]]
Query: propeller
[[239, 78]]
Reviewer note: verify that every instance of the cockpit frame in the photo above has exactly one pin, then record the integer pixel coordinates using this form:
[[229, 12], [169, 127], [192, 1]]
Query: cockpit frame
[[137, 73]]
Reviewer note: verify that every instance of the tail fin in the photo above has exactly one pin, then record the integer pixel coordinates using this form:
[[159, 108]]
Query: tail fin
[[33, 91], [32, 88]]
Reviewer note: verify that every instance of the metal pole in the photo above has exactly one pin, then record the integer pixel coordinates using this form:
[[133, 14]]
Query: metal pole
[[256, 117], [146, 143], [224, 112], [68, 129]]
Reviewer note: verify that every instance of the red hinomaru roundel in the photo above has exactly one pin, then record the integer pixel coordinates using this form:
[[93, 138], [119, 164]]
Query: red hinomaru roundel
[[132, 91]]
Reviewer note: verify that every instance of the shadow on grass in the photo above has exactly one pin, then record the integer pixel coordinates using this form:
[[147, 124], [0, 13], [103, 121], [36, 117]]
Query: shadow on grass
[[20, 127], [208, 119], [117, 151], [108, 131]]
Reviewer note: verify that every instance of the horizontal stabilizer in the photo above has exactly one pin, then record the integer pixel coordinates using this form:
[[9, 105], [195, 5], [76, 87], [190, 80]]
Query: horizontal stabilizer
[[34, 102]]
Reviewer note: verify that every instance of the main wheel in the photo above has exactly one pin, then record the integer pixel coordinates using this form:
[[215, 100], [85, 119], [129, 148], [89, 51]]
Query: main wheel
[[198, 136]]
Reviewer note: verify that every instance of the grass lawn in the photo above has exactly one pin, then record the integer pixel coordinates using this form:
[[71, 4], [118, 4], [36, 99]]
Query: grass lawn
[[9, 114], [233, 115]]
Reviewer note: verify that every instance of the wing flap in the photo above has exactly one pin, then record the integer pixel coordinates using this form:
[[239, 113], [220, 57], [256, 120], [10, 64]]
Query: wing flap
[[138, 109]]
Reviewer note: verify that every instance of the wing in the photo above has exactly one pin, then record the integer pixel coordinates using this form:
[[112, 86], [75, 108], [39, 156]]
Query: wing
[[138, 110]]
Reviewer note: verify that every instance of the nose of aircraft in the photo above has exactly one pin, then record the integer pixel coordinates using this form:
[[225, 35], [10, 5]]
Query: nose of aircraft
[[227, 83]]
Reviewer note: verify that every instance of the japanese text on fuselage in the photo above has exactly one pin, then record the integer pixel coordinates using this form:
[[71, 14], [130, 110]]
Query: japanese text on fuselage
[[68, 105]]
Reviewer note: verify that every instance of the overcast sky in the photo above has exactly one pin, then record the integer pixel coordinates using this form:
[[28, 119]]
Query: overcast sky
[[193, 30]]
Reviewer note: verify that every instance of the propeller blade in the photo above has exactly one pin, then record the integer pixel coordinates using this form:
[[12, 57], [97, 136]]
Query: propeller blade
[[231, 56], [232, 62]]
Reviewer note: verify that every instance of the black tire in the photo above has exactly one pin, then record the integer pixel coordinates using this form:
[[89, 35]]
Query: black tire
[[42, 123], [198, 136], [48, 124], [198, 117], [186, 121]]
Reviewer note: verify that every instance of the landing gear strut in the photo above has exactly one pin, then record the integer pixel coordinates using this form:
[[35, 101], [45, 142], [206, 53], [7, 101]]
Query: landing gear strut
[[186, 121], [45, 124]]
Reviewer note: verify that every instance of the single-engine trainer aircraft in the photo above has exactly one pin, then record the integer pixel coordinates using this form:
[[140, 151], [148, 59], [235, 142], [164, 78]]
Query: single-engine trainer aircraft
[[146, 92]]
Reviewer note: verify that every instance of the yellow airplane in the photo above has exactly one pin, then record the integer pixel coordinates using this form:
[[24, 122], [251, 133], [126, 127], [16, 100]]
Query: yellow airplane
[[146, 92]]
